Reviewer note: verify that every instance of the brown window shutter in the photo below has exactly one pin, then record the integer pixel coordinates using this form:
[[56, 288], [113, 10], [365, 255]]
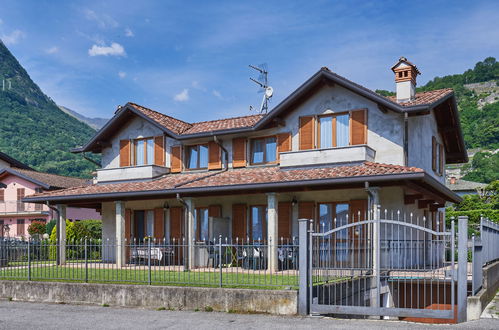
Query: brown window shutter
[[215, 211], [434, 153], [214, 159], [128, 224], [124, 153], [20, 193], [359, 128], [358, 210], [176, 159], [239, 222], [238, 152], [159, 150], [307, 129], [306, 210], [176, 222], [284, 221], [441, 159], [283, 143], [159, 224], [2, 198]]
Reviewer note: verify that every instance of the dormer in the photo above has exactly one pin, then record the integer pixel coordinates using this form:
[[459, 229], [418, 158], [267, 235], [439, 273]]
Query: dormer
[[405, 80]]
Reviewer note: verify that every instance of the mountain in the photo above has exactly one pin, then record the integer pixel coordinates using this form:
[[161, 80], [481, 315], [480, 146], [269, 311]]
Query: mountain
[[95, 123], [32, 127]]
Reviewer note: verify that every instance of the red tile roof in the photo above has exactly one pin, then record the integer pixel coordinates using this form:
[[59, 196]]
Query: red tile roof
[[52, 180], [243, 176], [424, 97], [175, 125]]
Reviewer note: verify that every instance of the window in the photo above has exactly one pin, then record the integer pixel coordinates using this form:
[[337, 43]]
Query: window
[[335, 215], [201, 225], [20, 227], [144, 151], [197, 157], [264, 150], [258, 223], [438, 156], [334, 130]]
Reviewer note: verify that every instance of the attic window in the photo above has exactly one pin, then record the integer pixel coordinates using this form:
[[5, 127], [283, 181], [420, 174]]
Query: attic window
[[406, 73], [197, 157], [400, 74], [144, 151]]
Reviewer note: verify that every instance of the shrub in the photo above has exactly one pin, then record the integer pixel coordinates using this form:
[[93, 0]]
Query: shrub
[[49, 226], [93, 227], [37, 228]]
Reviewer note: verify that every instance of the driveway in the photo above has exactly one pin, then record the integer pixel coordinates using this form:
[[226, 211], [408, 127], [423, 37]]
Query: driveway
[[21, 315]]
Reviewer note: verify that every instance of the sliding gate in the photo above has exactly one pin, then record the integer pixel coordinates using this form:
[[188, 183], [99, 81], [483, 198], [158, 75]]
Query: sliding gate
[[394, 266]]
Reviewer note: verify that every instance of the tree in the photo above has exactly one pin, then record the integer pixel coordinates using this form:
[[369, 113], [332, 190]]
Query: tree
[[36, 228]]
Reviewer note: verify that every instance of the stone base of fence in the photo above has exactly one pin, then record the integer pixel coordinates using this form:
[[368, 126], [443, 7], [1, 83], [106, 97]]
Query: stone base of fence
[[478, 302], [280, 302]]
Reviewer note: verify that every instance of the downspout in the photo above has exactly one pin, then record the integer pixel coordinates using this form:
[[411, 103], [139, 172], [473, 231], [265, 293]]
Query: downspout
[[226, 160], [57, 226], [406, 139]]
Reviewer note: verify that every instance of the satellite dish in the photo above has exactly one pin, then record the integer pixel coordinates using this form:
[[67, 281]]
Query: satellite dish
[[269, 91]]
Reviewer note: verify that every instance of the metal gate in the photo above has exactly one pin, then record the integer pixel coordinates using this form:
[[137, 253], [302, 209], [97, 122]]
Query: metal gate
[[389, 265]]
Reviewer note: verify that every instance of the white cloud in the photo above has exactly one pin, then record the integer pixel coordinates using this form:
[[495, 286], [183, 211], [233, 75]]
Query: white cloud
[[13, 37], [122, 74], [182, 96], [103, 21], [217, 94], [52, 50], [129, 33], [114, 50], [196, 85]]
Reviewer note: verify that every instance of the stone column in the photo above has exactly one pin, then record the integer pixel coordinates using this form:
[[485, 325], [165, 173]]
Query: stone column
[[120, 234], [272, 232], [61, 233], [189, 205]]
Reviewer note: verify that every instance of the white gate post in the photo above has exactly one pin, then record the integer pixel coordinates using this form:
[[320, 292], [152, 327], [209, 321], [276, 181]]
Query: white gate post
[[462, 268], [303, 267], [61, 233]]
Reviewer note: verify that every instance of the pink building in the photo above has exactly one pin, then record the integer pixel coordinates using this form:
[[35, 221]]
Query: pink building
[[18, 181]]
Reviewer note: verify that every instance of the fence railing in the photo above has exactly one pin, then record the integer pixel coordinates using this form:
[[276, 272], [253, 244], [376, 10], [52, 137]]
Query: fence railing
[[15, 207], [484, 249], [217, 263]]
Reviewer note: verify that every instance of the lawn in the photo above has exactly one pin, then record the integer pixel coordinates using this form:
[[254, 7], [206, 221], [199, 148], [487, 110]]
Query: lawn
[[78, 273]]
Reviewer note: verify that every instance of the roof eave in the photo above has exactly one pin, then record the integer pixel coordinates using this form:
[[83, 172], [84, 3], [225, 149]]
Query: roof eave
[[25, 177]]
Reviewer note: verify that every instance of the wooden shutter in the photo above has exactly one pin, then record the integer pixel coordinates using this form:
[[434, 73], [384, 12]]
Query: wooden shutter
[[214, 159], [283, 143], [176, 159], [441, 160], [176, 222], [159, 224], [358, 129], [2, 196], [284, 221], [307, 129], [434, 153], [239, 222], [358, 210], [238, 152], [215, 211], [159, 150], [124, 153], [20, 193], [306, 210], [128, 224]]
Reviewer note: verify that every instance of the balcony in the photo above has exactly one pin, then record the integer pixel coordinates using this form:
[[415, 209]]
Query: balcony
[[349, 154], [145, 172], [18, 208]]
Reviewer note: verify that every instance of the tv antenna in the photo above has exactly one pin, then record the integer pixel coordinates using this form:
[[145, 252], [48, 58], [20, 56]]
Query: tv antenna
[[262, 81]]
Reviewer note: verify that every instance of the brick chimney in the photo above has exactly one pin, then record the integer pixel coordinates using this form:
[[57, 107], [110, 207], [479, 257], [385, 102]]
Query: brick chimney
[[405, 80]]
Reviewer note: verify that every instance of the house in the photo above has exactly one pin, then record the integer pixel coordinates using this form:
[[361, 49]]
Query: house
[[465, 187], [18, 181], [330, 151]]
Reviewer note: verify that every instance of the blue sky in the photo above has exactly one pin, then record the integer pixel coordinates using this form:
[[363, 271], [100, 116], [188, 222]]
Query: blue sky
[[189, 59]]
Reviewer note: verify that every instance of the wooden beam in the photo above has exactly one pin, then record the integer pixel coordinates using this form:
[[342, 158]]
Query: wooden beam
[[427, 193], [423, 203], [435, 207], [410, 199]]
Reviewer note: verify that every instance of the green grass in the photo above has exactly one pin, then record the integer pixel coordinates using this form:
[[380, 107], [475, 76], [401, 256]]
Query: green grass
[[158, 277]]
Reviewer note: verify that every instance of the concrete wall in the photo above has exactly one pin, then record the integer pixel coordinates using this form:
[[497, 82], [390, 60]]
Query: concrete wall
[[238, 300], [477, 303]]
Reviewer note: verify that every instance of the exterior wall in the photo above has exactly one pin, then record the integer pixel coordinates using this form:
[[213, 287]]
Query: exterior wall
[[421, 130], [4, 164], [136, 128], [80, 213]]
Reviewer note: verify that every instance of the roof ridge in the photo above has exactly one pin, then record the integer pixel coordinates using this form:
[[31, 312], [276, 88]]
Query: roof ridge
[[160, 113], [46, 173]]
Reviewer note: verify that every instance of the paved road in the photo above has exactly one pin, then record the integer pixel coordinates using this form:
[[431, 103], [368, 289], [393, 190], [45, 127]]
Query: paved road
[[20, 315]]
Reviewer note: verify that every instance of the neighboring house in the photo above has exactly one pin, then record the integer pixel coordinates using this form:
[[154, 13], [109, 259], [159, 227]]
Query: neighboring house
[[465, 187], [330, 150], [18, 181]]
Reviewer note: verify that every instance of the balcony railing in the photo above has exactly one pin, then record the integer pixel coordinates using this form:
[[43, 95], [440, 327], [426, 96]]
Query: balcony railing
[[16, 207]]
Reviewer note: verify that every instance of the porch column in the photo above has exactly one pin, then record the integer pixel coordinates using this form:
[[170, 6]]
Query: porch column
[[61, 234], [189, 205], [272, 232], [120, 233]]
